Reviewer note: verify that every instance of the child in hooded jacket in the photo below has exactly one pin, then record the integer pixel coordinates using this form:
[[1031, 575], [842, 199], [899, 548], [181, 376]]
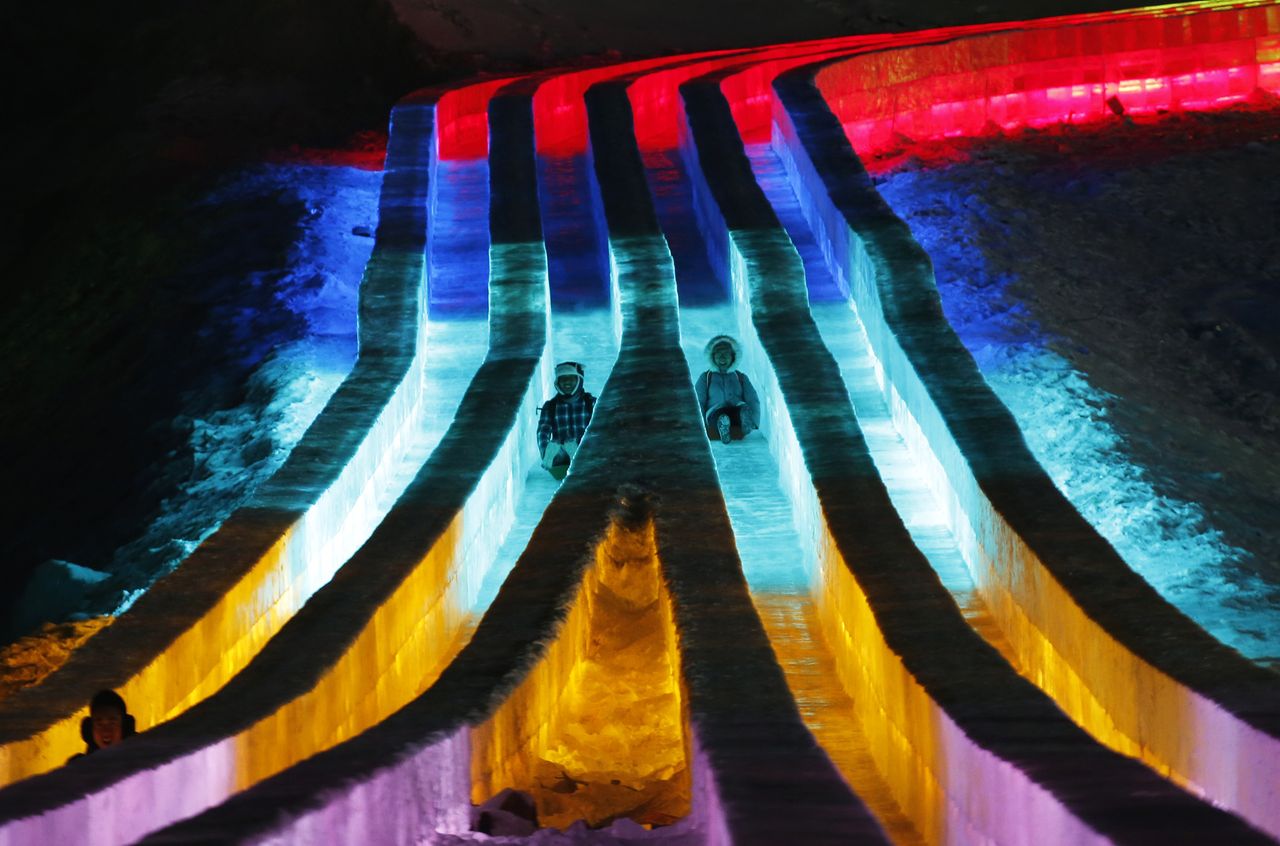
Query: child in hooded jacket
[[730, 405], [109, 722]]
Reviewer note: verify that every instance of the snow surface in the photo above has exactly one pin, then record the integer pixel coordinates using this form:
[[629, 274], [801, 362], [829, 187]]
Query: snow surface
[[1092, 272], [622, 832], [237, 448]]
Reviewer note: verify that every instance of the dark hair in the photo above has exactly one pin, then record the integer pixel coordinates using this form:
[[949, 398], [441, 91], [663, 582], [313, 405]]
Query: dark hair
[[107, 699]]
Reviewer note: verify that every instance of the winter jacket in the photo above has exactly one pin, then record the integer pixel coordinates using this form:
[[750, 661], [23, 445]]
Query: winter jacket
[[564, 419], [718, 390]]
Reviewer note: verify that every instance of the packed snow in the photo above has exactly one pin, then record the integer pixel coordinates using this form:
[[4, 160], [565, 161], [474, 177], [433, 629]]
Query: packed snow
[[237, 448], [1117, 285]]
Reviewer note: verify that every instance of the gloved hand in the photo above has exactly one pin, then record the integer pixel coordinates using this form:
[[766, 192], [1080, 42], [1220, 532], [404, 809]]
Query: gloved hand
[[549, 454]]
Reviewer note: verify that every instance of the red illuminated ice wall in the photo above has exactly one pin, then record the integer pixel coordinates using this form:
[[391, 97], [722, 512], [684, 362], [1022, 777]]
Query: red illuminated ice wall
[[1141, 63]]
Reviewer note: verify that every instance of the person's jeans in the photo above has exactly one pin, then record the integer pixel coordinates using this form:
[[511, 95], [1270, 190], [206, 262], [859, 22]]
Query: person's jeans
[[736, 429]]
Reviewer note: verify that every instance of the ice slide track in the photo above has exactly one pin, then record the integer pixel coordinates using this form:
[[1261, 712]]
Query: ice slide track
[[1180, 815], [196, 628], [752, 755], [838, 204], [1114, 655]]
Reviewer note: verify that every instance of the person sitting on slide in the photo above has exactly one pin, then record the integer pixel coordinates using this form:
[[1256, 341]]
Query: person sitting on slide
[[563, 419], [730, 405], [109, 722]]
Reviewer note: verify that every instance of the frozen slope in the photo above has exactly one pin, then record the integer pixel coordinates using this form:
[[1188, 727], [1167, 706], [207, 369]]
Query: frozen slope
[[1125, 413]]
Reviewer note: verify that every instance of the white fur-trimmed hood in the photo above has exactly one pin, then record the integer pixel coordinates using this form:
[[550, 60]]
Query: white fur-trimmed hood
[[723, 339]]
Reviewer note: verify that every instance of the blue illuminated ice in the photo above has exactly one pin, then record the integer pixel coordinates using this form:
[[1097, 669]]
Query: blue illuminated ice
[[236, 448], [1172, 541]]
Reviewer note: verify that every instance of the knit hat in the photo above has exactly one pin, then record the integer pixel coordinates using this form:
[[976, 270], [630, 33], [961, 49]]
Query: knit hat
[[570, 368]]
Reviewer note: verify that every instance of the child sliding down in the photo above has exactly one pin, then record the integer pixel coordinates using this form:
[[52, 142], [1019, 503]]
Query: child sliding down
[[730, 405]]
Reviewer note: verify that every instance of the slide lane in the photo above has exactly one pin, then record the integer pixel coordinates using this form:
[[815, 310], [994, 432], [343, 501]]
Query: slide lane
[[940, 734], [371, 639], [1126, 665], [752, 751], [773, 563], [845, 338], [759, 511]]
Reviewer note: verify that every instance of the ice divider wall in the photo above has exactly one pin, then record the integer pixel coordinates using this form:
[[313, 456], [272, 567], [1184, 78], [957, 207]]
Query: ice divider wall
[[939, 733], [1113, 654]]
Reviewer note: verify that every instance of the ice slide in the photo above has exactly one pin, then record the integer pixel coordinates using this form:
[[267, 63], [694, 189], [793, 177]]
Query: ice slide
[[393, 615], [726, 747], [195, 629], [1120, 660], [631, 537]]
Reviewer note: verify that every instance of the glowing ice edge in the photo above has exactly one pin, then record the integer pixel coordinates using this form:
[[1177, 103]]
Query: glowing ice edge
[[1209, 749]]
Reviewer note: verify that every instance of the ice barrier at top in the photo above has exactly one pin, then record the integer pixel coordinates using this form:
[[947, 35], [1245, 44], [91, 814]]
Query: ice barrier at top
[[430, 744]]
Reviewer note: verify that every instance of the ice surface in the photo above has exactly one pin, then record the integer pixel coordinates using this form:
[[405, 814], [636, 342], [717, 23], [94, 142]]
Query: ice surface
[[586, 337], [622, 832]]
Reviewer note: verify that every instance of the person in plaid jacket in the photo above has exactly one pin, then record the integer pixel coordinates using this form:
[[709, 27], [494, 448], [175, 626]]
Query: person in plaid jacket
[[564, 418]]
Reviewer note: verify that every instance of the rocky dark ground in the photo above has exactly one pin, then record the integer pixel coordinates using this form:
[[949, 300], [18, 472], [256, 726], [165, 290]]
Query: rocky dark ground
[[119, 278]]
